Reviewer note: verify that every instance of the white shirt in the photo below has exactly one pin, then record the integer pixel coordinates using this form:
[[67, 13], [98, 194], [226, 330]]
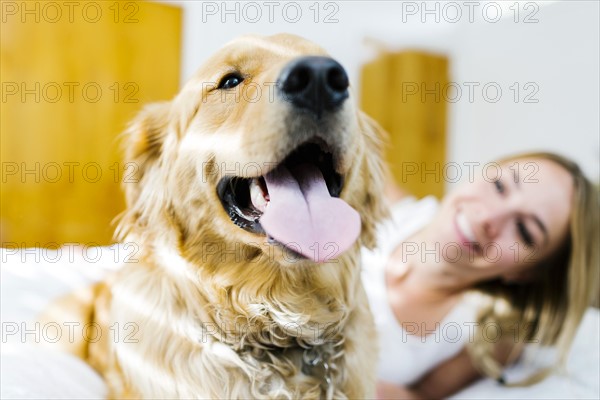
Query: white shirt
[[404, 358]]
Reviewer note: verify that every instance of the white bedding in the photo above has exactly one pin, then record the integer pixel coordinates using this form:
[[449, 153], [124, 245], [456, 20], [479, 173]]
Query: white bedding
[[30, 278]]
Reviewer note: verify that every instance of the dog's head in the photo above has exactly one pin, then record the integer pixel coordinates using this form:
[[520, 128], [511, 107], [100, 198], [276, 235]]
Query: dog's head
[[262, 146]]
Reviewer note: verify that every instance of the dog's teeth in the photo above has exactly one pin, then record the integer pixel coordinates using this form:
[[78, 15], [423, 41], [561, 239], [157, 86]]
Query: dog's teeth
[[257, 196]]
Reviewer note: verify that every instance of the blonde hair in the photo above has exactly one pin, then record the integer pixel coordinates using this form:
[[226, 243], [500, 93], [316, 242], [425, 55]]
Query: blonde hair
[[548, 309]]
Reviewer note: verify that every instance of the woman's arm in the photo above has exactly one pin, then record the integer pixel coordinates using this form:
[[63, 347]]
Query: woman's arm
[[446, 379], [386, 390], [449, 377]]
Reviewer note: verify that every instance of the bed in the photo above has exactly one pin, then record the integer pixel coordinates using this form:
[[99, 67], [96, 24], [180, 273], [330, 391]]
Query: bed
[[30, 278]]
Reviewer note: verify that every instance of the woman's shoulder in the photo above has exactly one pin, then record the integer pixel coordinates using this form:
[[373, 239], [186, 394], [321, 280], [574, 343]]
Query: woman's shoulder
[[407, 216], [411, 211]]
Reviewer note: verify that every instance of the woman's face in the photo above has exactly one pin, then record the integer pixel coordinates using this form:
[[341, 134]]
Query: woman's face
[[506, 221]]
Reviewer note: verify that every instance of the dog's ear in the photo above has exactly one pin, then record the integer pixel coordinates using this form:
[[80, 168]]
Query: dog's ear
[[143, 141], [374, 208]]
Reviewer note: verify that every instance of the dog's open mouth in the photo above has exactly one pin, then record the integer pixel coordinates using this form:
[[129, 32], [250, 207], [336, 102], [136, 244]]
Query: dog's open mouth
[[245, 199], [296, 203]]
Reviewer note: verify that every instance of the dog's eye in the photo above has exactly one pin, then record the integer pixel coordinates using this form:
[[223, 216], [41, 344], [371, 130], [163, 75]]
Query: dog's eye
[[230, 81]]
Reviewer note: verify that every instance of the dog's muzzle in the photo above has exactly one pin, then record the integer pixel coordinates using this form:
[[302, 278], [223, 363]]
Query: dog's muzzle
[[297, 203]]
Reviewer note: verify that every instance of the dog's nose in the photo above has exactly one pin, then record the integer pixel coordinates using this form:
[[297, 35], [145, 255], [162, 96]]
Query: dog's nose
[[314, 83]]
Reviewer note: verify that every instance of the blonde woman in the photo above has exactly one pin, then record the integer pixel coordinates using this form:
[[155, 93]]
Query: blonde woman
[[458, 287]]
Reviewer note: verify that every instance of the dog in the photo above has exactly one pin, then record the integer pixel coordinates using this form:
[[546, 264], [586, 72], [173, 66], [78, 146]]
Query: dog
[[254, 190]]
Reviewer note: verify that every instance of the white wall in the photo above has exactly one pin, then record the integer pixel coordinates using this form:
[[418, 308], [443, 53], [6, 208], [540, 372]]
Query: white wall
[[204, 33], [558, 55]]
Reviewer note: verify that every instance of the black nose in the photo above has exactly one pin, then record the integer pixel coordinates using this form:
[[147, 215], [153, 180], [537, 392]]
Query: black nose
[[316, 84]]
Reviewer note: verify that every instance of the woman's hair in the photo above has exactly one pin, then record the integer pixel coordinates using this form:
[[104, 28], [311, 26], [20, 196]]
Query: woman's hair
[[547, 309]]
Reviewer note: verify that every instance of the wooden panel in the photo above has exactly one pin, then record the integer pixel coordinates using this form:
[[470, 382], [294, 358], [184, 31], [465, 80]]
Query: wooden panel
[[404, 92], [73, 74], [375, 90]]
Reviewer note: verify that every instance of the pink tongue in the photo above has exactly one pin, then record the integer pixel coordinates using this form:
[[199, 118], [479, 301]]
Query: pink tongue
[[305, 218]]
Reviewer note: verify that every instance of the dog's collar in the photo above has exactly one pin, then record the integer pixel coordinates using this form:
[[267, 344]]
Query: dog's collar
[[320, 361]]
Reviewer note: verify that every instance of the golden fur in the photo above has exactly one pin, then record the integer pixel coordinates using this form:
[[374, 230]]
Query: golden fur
[[218, 311]]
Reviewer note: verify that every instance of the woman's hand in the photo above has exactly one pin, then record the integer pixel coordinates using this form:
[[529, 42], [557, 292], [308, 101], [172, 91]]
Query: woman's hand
[[386, 390]]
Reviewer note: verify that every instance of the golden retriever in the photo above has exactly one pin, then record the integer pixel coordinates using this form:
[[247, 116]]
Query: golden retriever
[[255, 189]]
